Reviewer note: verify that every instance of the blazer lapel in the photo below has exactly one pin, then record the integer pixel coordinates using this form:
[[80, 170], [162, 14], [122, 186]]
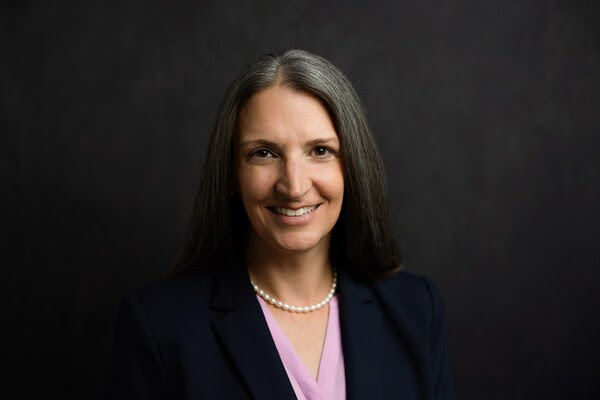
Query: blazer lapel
[[361, 322], [240, 325]]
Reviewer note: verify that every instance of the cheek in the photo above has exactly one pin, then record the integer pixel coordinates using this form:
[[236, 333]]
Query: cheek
[[255, 184], [331, 182]]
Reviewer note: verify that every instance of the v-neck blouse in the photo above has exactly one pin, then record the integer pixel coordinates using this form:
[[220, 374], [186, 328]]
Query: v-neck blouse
[[331, 380]]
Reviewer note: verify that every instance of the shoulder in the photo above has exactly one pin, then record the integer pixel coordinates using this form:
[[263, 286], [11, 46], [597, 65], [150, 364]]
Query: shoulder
[[408, 286], [189, 285], [172, 300], [411, 297]]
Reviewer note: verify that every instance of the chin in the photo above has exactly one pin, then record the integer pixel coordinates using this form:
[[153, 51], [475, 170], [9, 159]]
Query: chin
[[299, 244]]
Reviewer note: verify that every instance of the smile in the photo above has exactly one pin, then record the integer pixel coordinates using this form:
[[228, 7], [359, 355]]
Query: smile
[[294, 213]]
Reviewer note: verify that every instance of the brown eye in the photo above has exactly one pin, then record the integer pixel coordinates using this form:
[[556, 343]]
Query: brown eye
[[261, 153], [322, 151]]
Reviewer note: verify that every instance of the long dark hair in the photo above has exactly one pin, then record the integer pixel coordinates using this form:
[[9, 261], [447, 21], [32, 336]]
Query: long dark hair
[[362, 242]]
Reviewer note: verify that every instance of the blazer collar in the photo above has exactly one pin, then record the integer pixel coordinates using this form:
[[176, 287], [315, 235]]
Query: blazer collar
[[240, 324]]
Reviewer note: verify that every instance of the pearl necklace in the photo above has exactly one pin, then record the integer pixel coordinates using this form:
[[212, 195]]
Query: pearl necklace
[[298, 309]]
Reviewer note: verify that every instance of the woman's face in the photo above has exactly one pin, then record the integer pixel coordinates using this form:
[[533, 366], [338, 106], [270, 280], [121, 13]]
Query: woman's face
[[289, 170]]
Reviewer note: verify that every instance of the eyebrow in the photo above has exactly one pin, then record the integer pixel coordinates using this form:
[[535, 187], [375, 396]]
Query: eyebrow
[[310, 143]]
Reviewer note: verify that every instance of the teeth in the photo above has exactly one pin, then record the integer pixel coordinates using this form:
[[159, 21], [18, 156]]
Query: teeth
[[295, 213]]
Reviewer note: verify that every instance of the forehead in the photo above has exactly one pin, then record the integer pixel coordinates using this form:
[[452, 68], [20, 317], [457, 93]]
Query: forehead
[[279, 112]]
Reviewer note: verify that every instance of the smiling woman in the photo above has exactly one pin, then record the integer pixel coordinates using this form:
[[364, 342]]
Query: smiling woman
[[288, 285]]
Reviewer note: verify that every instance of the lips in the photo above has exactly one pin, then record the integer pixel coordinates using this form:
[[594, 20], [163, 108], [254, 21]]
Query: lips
[[291, 212]]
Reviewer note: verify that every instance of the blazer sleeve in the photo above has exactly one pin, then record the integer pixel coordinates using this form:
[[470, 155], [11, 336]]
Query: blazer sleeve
[[439, 361], [136, 371]]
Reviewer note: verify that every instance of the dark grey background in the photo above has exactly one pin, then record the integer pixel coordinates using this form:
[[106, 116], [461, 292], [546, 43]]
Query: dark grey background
[[486, 114]]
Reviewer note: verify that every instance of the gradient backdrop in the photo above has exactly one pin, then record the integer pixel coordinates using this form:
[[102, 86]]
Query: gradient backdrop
[[487, 114]]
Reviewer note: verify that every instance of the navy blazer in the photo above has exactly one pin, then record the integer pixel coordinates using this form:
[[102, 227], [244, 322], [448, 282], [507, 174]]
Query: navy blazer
[[202, 335]]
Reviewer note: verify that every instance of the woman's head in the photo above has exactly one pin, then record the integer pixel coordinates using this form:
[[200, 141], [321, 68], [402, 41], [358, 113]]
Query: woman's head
[[361, 240]]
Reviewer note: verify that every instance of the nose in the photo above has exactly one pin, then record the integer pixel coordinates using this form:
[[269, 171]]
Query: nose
[[294, 180]]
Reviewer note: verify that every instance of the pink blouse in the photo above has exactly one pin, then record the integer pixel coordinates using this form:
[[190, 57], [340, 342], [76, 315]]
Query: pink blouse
[[331, 380]]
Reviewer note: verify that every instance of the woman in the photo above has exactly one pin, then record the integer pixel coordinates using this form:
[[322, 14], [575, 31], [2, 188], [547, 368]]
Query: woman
[[288, 286]]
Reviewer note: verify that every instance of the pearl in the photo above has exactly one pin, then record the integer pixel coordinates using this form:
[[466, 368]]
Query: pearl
[[298, 309]]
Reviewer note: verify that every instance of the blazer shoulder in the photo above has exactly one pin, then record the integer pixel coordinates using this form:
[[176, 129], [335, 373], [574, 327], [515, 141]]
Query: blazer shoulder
[[411, 296], [153, 323], [189, 291]]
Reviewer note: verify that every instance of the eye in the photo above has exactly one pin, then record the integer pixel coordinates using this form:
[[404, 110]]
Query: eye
[[323, 151], [261, 153]]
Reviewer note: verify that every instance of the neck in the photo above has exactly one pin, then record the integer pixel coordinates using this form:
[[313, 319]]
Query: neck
[[296, 277]]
